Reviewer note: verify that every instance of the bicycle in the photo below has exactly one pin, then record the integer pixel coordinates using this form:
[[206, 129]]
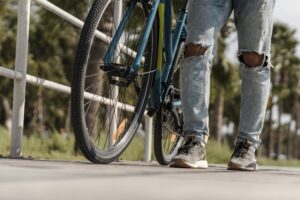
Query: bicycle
[[135, 69]]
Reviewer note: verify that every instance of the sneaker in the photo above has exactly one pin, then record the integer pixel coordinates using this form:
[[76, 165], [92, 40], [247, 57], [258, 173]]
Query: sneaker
[[243, 157], [191, 155]]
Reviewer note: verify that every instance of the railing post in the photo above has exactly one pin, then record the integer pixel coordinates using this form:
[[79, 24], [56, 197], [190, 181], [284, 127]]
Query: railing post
[[20, 84], [148, 138], [115, 89]]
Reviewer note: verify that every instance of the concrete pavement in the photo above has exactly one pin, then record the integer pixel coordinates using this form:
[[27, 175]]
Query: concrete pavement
[[55, 180]]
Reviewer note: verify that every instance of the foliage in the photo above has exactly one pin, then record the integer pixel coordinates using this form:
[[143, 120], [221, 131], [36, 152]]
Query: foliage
[[285, 81], [53, 146], [51, 54], [286, 76], [7, 46], [57, 146]]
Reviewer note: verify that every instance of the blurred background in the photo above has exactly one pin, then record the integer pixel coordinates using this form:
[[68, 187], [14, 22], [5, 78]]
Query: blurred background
[[48, 132]]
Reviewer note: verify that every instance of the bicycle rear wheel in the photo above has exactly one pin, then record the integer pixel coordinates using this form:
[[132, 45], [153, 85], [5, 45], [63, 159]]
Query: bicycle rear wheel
[[169, 120], [107, 109]]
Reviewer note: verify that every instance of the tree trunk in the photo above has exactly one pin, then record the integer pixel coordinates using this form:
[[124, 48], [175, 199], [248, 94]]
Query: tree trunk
[[219, 108], [235, 133], [68, 118], [40, 112], [297, 144], [294, 145], [270, 137], [279, 132], [7, 114], [289, 142], [296, 116]]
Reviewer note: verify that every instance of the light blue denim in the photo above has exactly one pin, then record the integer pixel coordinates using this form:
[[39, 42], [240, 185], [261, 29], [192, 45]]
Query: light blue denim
[[254, 22]]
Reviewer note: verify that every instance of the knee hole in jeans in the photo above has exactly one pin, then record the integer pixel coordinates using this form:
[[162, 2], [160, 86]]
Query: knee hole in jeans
[[194, 50], [253, 59]]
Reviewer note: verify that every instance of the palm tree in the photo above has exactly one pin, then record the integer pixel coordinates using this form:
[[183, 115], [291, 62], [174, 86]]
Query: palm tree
[[223, 75], [284, 86], [292, 103]]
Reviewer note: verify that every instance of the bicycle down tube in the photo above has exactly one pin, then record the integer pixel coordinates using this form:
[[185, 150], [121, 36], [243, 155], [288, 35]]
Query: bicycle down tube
[[167, 44]]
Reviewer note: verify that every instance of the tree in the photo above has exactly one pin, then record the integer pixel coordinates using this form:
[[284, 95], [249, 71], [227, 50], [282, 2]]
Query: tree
[[285, 80], [224, 79], [51, 54], [7, 52]]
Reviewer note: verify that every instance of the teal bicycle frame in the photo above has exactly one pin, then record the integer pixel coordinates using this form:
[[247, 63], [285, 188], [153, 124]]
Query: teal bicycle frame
[[167, 44]]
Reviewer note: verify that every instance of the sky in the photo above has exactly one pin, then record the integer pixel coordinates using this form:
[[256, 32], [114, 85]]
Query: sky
[[287, 11]]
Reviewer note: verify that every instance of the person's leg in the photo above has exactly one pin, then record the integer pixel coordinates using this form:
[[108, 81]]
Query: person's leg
[[254, 24], [205, 19]]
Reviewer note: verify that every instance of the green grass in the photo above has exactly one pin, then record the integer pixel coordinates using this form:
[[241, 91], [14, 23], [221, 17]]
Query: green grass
[[282, 163], [135, 150], [4, 141], [61, 147], [55, 147], [216, 153], [220, 154]]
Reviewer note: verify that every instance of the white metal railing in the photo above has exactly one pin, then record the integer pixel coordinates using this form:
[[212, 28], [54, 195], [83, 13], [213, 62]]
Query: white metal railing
[[20, 75]]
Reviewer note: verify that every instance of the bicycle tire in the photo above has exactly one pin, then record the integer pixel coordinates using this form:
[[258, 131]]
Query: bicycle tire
[[84, 134], [167, 122]]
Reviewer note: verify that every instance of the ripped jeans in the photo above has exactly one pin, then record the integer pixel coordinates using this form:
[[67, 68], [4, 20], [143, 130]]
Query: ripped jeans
[[254, 22]]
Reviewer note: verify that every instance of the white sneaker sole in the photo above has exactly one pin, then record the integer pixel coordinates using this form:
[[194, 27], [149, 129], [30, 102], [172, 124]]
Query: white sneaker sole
[[180, 163], [235, 166]]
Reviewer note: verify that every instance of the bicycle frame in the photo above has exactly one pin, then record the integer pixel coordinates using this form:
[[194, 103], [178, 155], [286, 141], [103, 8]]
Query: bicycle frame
[[167, 44]]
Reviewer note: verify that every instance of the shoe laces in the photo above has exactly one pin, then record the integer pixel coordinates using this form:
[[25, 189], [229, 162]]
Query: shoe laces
[[241, 150]]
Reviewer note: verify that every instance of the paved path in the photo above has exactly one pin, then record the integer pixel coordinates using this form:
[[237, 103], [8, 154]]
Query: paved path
[[55, 180]]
